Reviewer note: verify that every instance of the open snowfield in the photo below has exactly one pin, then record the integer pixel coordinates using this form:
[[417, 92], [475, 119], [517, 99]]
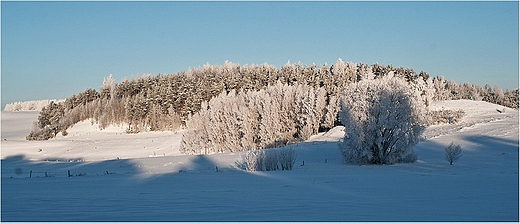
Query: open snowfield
[[142, 177]]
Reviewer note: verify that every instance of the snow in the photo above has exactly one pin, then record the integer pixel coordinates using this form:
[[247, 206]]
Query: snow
[[152, 181], [36, 105]]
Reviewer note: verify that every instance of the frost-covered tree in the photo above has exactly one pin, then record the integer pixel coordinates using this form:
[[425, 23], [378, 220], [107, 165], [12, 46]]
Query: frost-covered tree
[[383, 120], [331, 112], [251, 120], [424, 87]]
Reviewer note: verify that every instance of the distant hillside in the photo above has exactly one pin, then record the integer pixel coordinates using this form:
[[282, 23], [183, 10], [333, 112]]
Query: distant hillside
[[168, 102], [36, 105]]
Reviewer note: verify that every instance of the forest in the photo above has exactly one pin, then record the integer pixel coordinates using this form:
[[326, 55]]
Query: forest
[[265, 105]]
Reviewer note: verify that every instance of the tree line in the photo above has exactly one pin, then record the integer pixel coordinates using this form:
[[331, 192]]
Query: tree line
[[36, 105], [253, 120], [168, 102]]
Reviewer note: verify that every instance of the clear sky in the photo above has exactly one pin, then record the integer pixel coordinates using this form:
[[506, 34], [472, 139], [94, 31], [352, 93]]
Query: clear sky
[[51, 50]]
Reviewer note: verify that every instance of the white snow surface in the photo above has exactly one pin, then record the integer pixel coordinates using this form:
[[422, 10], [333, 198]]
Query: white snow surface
[[142, 177], [35, 105]]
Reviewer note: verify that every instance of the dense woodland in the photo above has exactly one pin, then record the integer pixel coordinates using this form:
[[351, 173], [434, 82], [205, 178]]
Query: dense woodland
[[171, 102]]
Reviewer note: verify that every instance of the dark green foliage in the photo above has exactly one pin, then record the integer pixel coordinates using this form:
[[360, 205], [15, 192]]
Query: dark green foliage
[[81, 99], [40, 134], [48, 122], [53, 118]]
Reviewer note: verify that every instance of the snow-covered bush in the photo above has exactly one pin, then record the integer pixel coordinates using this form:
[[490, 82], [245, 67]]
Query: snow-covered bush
[[269, 160], [287, 158], [254, 160], [383, 120], [452, 153], [444, 116]]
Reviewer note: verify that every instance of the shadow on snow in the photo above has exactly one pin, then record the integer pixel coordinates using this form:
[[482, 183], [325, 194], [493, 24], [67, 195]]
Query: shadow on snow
[[210, 188]]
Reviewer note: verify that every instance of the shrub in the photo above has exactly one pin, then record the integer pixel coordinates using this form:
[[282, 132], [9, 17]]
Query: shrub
[[254, 160], [446, 116], [269, 160], [453, 153], [287, 158]]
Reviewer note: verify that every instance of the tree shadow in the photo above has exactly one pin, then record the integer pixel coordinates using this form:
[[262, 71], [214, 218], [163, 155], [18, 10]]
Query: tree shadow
[[478, 151], [492, 142], [20, 167], [194, 188]]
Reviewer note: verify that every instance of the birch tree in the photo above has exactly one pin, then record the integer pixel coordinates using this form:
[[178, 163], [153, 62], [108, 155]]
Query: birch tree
[[383, 120]]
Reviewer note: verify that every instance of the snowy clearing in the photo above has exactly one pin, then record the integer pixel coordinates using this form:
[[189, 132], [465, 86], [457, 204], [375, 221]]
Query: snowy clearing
[[115, 176]]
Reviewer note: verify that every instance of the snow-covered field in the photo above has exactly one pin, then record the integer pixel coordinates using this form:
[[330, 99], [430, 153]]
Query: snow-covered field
[[143, 177]]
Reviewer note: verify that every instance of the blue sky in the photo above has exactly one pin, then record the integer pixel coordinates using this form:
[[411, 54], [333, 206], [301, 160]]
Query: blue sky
[[55, 49]]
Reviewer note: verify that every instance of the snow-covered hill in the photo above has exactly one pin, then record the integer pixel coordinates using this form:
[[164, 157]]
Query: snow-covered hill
[[35, 105], [142, 177]]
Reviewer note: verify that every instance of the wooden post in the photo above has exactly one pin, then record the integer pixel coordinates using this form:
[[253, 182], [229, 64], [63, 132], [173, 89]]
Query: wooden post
[[30, 174], [68, 173]]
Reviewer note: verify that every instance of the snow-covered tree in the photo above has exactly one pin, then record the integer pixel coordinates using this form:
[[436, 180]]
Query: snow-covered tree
[[108, 90], [425, 89], [331, 112], [383, 120], [252, 120]]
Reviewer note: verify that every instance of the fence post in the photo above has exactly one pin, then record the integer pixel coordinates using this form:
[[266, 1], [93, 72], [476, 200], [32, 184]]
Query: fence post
[[30, 174], [68, 173]]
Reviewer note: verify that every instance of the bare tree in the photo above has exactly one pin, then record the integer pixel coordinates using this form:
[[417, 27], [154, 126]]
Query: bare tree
[[453, 153]]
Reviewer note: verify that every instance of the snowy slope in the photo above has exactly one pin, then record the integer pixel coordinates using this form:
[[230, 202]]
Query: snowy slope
[[477, 113], [84, 141], [151, 181]]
